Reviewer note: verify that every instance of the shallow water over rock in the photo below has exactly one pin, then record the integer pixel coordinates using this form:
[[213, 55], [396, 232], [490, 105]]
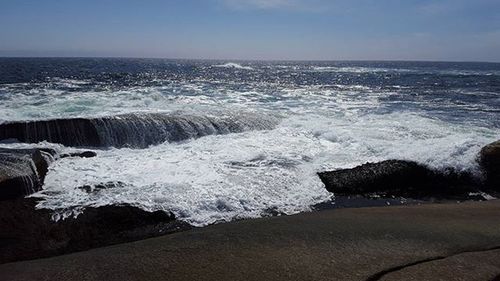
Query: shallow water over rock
[[132, 130]]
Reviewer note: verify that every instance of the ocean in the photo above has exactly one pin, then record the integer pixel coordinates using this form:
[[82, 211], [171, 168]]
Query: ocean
[[215, 141]]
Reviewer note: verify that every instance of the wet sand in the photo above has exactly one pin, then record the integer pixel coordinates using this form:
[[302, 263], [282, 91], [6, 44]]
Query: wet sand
[[380, 243]]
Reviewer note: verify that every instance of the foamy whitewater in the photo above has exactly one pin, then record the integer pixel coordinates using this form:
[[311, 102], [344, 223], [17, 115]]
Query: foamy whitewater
[[305, 117]]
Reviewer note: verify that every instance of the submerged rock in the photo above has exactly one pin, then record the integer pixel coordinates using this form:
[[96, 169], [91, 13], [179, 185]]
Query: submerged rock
[[399, 178], [84, 154], [22, 171], [489, 159], [28, 233], [70, 132], [132, 130], [101, 186]]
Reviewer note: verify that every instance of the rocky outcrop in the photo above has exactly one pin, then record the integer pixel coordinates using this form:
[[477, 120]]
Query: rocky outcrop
[[399, 178], [98, 187], [27, 233], [22, 171], [489, 159], [70, 132], [132, 130], [345, 244], [84, 154]]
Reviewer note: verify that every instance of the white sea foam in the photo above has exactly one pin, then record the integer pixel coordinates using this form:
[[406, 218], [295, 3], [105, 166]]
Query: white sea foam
[[206, 180], [233, 65], [44, 103], [219, 178]]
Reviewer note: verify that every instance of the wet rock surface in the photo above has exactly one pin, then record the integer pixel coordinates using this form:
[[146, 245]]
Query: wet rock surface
[[84, 154], [27, 233], [101, 186], [131, 130], [70, 132], [489, 158], [400, 178], [22, 171]]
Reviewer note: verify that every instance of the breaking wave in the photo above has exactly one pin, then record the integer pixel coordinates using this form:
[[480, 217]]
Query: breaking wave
[[234, 66]]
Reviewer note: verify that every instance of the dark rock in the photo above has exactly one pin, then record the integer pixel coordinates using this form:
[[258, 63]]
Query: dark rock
[[489, 159], [399, 178], [22, 171], [50, 151], [131, 130], [70, 132], [27, 233], [42, 162], [85, 154], [98, 187]]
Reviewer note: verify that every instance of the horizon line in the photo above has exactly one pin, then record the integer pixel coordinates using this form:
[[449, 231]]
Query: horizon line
[[249, 60]]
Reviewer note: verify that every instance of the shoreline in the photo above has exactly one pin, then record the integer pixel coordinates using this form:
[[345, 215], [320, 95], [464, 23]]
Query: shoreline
[[345, 244], [30, 233]]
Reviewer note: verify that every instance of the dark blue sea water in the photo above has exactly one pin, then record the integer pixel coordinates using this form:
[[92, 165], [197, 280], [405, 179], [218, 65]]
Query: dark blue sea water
[[329, 115], [466, 92]]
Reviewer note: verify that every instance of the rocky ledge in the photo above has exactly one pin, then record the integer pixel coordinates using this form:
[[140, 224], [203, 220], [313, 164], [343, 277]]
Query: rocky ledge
[[424, 242], [28, 233], [399, 178], [22, 171], [489, 159], [137, 130], [402, 179]]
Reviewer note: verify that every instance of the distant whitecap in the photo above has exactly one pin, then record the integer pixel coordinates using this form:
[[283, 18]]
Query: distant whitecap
[[234, 66]]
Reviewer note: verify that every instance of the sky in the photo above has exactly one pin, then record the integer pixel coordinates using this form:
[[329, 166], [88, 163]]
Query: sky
[[437, 30]]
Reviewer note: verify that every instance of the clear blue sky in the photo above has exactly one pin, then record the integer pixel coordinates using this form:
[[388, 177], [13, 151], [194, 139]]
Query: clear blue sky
[[462, 30]]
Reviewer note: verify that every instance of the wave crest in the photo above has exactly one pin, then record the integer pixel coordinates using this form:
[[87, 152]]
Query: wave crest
[[234, 66]]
